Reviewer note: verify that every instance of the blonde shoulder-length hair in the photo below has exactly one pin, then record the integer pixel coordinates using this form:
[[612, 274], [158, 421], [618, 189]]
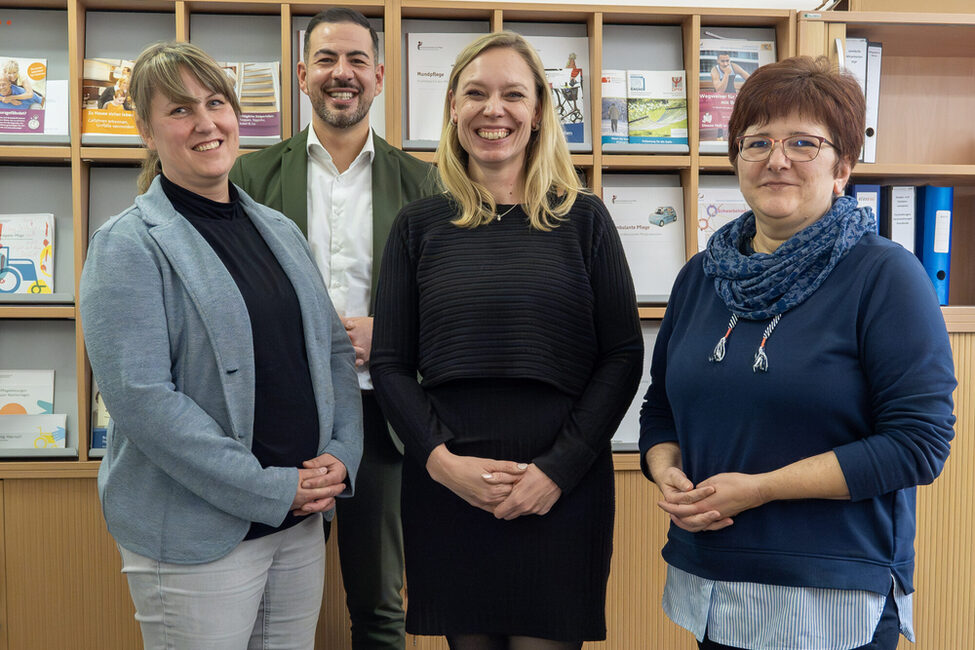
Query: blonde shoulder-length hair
[[159, 70], [550, 182]]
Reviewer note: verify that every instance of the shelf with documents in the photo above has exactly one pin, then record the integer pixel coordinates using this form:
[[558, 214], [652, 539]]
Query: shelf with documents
[[926, 100], [92, 183]]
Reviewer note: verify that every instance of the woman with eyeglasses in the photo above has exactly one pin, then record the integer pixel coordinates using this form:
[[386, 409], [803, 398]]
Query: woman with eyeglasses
[[801, 389]]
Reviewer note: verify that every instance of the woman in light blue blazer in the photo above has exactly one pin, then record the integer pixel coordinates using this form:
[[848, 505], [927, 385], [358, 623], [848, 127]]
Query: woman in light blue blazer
[[230, 380]]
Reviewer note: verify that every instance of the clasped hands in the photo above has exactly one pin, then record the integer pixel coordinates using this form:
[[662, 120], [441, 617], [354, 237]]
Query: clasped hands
[[320, 480], [504, 488], [711, 504]]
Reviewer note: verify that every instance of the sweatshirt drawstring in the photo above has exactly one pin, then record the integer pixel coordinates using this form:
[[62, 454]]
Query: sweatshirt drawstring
[[761, 357], [717, 355]]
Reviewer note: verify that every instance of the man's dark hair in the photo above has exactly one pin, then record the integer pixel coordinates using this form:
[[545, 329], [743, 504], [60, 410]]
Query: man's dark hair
[[340, 15]]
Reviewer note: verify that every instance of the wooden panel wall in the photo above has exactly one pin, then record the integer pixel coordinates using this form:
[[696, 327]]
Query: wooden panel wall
[[64, 586], [944, 606], [60, 585]]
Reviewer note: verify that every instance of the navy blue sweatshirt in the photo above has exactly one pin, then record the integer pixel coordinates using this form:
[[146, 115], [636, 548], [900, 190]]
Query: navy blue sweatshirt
[[863, 367]]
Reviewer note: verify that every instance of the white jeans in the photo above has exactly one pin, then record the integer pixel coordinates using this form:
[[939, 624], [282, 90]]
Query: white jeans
[[265, 594]]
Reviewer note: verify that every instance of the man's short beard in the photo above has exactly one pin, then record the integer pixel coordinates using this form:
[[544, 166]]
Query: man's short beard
[[342, 120]]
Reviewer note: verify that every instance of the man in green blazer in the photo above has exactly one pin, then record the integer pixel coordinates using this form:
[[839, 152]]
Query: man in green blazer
[[343, 185]]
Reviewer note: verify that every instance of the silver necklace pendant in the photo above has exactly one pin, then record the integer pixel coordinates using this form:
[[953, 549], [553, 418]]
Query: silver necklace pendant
[[506, 212]]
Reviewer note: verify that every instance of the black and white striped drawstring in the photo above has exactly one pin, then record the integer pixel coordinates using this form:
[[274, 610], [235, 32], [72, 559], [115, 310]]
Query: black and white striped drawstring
[[761, 358], [717, 355]]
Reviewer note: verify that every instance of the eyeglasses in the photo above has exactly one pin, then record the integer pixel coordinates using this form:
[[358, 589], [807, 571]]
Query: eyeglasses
[[797, 148]]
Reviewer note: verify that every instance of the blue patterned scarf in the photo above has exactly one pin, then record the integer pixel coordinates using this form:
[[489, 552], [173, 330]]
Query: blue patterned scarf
[[760, 286]]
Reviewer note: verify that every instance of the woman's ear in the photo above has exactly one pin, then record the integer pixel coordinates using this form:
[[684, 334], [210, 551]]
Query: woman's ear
[[452, 99], [841, 177], [145, 134]]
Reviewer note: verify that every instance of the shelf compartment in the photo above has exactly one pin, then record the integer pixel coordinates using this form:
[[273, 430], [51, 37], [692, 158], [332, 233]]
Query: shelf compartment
[[917, 174], [113, 154], [42, 344], [30, 189], [59, 312], [644, 161], [35, 153], [715, 163]]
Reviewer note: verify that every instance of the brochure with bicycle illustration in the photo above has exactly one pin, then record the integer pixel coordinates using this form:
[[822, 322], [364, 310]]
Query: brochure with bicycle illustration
[[26, 253]]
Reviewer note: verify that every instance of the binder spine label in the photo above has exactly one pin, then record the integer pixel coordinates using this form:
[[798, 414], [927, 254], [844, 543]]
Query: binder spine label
[[942, 231]]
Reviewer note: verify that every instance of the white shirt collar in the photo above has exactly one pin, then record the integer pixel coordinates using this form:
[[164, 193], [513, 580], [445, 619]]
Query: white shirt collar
[[318, 153]]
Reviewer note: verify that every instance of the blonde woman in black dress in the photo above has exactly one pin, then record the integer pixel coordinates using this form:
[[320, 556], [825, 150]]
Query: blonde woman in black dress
[[510, 296]]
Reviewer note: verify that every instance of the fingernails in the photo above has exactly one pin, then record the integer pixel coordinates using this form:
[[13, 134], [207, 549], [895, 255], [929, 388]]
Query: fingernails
[[522, 465], [323, 470], [487, 475]]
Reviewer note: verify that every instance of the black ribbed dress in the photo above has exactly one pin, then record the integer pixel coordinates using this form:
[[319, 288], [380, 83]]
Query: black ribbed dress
[[530, 350]]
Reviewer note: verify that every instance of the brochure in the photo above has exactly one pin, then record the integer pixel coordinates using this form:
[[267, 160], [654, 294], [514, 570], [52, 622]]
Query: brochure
[[725, 64], [650, 221], [23, 88], [26, 392], [613, 122], [567, 98], [716, 206], [429, 60], [107, 115], [657, 108], [258, 91], [558, 54], [32, 431], [99, 423], [26, 253]]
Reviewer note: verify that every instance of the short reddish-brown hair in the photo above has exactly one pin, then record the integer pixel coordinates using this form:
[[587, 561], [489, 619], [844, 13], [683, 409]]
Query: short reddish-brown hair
[[814, 89]]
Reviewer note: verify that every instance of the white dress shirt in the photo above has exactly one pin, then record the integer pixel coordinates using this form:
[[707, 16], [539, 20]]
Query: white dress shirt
[[340, 229]]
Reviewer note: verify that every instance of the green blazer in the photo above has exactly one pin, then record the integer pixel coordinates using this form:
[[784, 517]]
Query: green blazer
[[278, 178]]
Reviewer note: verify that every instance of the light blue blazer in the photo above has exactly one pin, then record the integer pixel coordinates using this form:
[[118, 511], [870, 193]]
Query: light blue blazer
[[171, 348]]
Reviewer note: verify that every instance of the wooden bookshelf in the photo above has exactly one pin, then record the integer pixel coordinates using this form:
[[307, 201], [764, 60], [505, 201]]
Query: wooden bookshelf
[[77, 572], [927, 98]]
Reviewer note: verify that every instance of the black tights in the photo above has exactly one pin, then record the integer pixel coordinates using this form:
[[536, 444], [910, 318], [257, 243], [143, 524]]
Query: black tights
[[501, 642]]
